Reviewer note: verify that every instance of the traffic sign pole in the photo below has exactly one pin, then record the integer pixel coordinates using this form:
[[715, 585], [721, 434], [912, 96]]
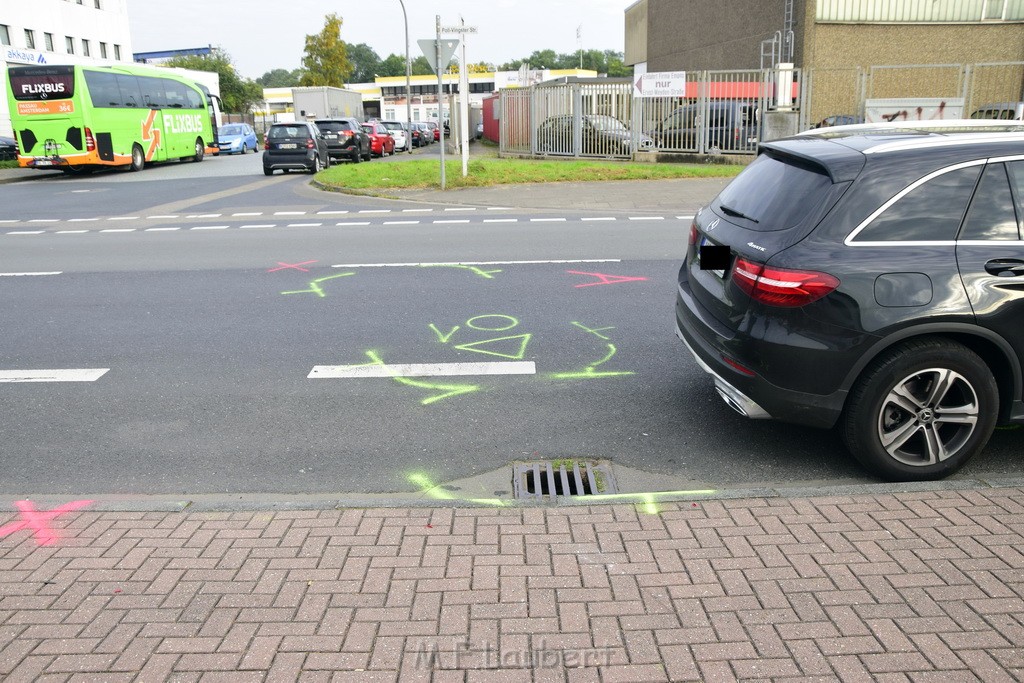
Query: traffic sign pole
[[440, 96]]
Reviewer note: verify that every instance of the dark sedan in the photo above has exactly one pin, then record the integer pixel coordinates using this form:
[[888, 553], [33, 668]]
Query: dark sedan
[[8, 149]]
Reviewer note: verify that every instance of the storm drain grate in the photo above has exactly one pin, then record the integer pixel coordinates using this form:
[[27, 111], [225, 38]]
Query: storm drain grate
[[548, 479]]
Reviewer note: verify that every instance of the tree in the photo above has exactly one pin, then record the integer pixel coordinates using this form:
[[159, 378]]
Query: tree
[[239, 95], [393, 65], [280, 78], [365, 63], [420, 67], [326, 57]]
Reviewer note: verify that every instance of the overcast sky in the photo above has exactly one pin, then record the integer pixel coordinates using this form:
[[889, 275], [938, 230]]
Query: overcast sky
[[261, 35]]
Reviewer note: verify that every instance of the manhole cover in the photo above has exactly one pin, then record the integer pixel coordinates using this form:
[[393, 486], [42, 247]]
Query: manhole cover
[[550, 478]]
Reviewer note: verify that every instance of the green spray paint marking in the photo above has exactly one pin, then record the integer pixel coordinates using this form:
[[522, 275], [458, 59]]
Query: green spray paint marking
[[428, 488], [590, 372], [512, 352], [501, 328], [449, 389], [314, 286], [596, 332], [443, 338], [486, 274]]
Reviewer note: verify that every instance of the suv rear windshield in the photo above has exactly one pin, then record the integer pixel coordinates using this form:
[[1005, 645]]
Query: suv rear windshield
[[774, 192], [334, 126]]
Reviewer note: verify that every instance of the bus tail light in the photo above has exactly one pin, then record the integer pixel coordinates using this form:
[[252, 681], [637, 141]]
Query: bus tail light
[[90, 141]]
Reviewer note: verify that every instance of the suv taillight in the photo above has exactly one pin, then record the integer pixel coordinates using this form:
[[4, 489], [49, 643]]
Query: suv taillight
[[90, 141], [693, 233], [781, 286], [310, 144]]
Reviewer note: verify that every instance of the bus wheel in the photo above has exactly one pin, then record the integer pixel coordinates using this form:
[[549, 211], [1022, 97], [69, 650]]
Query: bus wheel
[[200, 151], [138, 158]]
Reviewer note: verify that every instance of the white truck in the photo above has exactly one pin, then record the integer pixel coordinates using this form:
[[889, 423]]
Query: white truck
[[326, 103]]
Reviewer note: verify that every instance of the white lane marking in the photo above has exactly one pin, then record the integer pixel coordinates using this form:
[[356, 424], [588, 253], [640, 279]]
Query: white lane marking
[[55, 272], [598, 218], [330, 213], [123, 218], [401, 222], [79, 191], [119, 230], [71, 232], [475, 263], [498, 208], [375, 211], [209, 227], [255, 226], [25, 232], [69, 375], [250, 213], [413, 210], [547, 220], [204, 215], [685, 217], [423, 370], [82, 220], [646, 218], [304, 225], [44, 220], [471, 208], [153, 218], [451, 221], [161, 229], [289, 213], [12, 220], [501, 220], [348, 225]]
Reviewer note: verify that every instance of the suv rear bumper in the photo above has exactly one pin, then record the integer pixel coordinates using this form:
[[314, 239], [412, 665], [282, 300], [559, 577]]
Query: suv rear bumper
[[754, 397]]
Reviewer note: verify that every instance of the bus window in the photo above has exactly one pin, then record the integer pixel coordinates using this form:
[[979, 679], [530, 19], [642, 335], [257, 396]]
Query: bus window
[[195, 100], [103, 89], [32, 84], [177, 94], [129, 87], [153, 95]]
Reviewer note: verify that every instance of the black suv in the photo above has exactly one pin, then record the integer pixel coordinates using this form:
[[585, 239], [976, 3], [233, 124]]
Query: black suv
[[872, 279], [294, 146], [346, 139]]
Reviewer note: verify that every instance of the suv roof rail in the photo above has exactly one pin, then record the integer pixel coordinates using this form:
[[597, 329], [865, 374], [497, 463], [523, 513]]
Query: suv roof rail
[[940, 127]]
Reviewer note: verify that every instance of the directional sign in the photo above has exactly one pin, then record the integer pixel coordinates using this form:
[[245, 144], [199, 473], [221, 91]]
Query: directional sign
[[661, 84], [429, 48]]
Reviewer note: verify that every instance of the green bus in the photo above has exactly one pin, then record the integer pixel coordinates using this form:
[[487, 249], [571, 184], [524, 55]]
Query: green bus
[[76, 118]]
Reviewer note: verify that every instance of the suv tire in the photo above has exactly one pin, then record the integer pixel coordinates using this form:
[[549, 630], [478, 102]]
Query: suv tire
[[921, 410]]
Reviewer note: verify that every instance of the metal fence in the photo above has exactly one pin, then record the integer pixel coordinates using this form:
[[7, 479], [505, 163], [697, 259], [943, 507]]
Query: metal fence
[[724, 111]]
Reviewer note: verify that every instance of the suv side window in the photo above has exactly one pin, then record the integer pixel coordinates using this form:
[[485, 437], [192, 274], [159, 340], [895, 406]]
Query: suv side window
[[931, 212], [992, 215], [1016, 172]]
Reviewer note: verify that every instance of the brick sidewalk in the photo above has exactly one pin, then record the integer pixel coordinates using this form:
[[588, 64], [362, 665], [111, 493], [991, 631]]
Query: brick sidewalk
[[894, 587]]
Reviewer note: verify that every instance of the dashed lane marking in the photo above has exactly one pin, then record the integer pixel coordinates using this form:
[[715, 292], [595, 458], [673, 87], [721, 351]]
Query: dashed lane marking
[[119, 230], [45, 220], [304, 225], [209, 227], [598, 218], [401, 222], [71, 232], [25, 232], [123, 218], [249, 213], [547, 220], [54, 272], [476, 263], [423, 370], [161, 229], [153, 218], [66, 375], [289, 213], [465, 220], [352, 224], [646, 218], [255, 226], [501, 220]]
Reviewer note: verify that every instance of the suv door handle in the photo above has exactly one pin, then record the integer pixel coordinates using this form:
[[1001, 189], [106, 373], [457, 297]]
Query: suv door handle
[[1005, 267]]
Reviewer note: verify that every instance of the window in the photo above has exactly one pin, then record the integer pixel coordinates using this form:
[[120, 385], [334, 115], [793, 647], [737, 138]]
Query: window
[[48, 41], [153, 94], [1016, 171], [85, 48], [103, 89], [902, 11], [131, 94], [117, 52], [5, 36], [69, 42], [103, 50], [991, 216], [98, 4], [778, 194], [931, 212], [30, 39]]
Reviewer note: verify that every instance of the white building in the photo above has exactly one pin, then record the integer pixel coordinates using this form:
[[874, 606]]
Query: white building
[[61, 32]]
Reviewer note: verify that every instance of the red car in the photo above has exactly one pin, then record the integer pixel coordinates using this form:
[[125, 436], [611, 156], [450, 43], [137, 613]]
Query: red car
[[381, 142]]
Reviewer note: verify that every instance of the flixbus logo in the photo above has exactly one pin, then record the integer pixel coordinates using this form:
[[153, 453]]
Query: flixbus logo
[[183, 123]]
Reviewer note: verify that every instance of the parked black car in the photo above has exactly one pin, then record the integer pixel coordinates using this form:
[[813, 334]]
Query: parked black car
[[294, 146], [870, 281], [731, 125], [600, 135], [8, 148], [346, 139]]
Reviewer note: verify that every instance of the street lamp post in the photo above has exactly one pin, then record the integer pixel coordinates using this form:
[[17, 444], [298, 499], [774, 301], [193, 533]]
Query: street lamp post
[[408, 81]]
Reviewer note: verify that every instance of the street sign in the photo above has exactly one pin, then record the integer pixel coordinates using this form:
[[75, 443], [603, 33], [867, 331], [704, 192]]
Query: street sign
[[429, 48], [458, 29], [660, 84]]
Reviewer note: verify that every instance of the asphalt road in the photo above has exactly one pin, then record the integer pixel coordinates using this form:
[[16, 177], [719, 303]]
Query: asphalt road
[[210, 294]]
